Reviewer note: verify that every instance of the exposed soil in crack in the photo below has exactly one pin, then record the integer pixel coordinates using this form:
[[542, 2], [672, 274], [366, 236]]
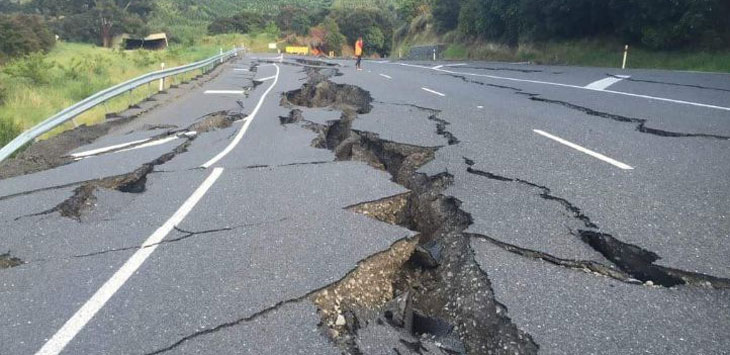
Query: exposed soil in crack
[[7, 261], [216, 120], [389, 210], [633, 260], [641, 124], [442, 281]]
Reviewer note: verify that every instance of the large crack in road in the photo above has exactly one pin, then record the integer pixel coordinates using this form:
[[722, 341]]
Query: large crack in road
[[456, 294]]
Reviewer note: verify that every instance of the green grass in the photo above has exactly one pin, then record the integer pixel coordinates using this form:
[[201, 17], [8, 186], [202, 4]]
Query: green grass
[[74, 71], [594, 53]]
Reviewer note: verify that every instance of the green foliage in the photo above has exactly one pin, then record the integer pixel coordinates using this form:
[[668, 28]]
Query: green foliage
[[408, 9], [333, 38], [242, 22], [33, 67], [374, 40], [357, 22], [657, 24], [272, 29], [3, 93], [446, 14], [8, 130], [83, 67], [24, 34]]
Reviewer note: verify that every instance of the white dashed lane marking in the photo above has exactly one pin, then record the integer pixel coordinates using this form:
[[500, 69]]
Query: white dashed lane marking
[[600, 156]]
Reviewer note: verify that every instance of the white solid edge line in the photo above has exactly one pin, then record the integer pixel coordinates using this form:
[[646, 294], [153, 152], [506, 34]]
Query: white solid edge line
[[437, 67], [243, 130], [106, 149], [604, 83], [433, 92], [576, 87], [77, 322], [386, 76], [237, 92], [584, 150]]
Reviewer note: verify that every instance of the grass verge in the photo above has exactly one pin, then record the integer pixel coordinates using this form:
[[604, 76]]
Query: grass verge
[[35, 87]]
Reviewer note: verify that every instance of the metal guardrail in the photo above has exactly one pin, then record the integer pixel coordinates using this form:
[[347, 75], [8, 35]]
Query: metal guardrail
[[100, 97]]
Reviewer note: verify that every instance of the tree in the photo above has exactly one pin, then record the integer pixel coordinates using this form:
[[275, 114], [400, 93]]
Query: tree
[[24, 34]]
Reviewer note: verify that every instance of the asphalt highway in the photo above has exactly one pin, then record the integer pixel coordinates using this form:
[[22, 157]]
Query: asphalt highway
[[220, 246]]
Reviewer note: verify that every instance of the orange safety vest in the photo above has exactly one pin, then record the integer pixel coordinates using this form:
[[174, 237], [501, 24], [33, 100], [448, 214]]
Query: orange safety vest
[[358, 48]]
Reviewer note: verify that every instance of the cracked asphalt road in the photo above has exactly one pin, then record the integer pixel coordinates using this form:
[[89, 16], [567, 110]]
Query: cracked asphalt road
[[584, 256]]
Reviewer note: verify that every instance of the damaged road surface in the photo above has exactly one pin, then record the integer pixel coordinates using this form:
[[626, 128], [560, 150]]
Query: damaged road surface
[[302, 207]]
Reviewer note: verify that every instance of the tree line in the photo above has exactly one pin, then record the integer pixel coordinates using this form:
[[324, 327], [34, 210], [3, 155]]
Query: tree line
[[656, 24], [31, 26]]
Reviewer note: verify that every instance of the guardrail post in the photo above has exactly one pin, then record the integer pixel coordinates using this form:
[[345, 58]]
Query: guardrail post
[[162, 80]]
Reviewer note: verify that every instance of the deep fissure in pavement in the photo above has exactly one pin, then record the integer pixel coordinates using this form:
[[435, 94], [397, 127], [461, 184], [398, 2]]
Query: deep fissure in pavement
[[440, 279]]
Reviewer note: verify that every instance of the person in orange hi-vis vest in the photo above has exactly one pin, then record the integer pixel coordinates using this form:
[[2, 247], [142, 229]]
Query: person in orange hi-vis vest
[[358, 52]]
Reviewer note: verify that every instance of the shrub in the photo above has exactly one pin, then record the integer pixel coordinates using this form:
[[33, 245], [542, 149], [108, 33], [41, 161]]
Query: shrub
[[33, 67]]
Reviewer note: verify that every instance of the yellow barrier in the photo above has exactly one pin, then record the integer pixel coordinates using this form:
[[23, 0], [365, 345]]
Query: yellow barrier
[[297, 50]]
